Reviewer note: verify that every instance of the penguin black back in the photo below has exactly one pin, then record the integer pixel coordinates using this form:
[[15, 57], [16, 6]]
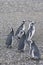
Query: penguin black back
[[36, 51], [21, 42], [9, 38]]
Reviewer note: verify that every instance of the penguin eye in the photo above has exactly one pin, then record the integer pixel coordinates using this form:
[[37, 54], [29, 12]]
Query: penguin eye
[[21, 32]]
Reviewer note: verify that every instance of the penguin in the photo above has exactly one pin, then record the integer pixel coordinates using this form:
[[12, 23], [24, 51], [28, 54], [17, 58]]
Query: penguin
[[34, 51], [21, 44], [31, 31], [21, 27], [9, 38]]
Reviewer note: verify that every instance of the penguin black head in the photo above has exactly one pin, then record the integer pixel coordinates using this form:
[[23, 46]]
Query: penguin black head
[[33, 41], [23, 21], [12, 31], [32, 23]]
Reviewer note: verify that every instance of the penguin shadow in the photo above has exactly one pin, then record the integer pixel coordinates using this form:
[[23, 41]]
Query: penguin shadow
[[35, 61]]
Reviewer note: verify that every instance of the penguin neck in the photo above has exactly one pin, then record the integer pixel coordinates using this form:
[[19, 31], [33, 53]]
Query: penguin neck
[[24, 27]]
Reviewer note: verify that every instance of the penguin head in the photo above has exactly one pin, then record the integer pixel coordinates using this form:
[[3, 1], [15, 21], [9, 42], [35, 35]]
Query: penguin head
[[32, 23], [33, 42], [12, 31], [23, 21], [21, 33]]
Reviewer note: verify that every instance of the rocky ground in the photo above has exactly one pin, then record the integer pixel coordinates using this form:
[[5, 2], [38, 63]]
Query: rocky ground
[[12, 13]]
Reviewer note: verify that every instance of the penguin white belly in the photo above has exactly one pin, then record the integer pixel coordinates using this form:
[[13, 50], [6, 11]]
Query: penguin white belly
[[30, 46], [33, 53], [29, 38], [23, 27], [33, 31], [25, 46]]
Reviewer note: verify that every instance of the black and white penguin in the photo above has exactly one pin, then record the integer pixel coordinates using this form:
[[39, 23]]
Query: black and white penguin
[[34, 51], [9, 38], [21, 45], [31, 31], [21, 27]]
